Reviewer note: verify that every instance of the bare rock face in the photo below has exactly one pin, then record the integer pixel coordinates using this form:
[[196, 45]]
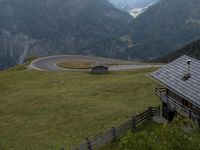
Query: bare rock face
[[48, 27]]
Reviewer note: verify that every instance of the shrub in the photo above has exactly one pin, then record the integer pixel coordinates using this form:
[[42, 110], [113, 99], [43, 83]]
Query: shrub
[[29, 59], [181, 134], [18, 68]]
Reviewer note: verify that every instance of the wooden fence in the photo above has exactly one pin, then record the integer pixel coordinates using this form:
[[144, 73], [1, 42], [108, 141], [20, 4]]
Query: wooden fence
[[115, 133]]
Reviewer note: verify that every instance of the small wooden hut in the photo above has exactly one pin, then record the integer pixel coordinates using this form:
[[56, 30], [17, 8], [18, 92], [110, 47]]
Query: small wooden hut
[[179, 87], [100, 69]]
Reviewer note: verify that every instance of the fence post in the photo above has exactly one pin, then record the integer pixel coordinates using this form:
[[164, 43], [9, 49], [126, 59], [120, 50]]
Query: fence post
[[134, 122], [62, 148], [88, 143], [114, 134], [75, 148], [150, 111], [159, 110]]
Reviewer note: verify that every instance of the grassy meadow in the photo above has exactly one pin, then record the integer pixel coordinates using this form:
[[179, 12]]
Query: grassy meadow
[[47, 110]]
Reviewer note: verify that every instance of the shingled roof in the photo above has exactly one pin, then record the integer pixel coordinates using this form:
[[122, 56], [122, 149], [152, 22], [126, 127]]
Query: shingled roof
[[171, 77]]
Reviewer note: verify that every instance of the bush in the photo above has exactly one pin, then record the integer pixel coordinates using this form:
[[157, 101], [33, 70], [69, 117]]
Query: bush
[[18, 68], [29, 59], [181, 134]]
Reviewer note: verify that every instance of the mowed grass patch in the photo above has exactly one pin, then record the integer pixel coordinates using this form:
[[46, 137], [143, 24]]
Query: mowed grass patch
[[76, 64], [45, 110]]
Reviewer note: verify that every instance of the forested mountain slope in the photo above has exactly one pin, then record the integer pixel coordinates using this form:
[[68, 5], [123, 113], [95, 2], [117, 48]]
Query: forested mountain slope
[[48, 27], [192, 50], [166, 26]]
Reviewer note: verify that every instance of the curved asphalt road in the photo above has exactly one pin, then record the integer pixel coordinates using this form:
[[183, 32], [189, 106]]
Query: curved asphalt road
[[49, 63]]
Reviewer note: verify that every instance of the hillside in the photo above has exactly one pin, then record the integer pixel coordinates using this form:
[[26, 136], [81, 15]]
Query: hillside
[[47, 110], [50, 27], [166, 26], [192, 50]]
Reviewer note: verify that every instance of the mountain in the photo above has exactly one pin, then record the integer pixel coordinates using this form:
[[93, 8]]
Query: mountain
[[192, 50], [164, 27], [48, 27], [94, 27], [134, 7]]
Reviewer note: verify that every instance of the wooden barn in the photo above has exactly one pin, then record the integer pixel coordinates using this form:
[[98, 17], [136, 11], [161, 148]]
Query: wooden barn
[[179, 87], [100, 69]]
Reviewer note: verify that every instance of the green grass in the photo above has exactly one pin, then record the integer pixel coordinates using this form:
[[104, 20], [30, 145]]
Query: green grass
[[18, 68], [45, 110]]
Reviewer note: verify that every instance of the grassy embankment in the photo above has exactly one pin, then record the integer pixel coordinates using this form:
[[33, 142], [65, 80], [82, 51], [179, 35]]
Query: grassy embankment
[[43, 110]]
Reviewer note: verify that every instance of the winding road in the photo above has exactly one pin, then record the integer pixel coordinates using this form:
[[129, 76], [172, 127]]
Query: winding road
[[50, 63]]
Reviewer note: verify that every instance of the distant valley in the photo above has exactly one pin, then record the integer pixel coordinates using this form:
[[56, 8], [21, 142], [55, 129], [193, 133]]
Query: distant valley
[[134, 7], [96, 27]]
